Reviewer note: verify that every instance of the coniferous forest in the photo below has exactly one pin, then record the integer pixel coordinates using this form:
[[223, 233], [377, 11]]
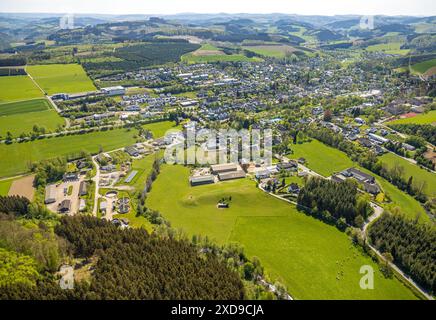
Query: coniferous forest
[[411, 244], [131, 264]]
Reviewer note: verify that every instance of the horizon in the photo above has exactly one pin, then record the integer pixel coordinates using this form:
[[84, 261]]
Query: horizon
[[423, 8]]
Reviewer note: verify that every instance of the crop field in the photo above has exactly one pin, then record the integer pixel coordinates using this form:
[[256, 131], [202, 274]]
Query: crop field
[[20, 117], [61, 78], [18, 88], [271, 50], [418, 174], [312, 259], [14, 158], [425, 118], [320, 157]]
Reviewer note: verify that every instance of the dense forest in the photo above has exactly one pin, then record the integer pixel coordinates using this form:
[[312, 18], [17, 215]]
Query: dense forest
[[334, 202], [131, 264], [411, 244]]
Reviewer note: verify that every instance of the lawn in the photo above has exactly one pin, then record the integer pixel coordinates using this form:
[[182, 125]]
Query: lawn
[[271, 50], [418, 174], [304, 253], [425, 118], [18, 88], [158, 129], [61, 78], [209, 53], [14, 158], [320, 157]]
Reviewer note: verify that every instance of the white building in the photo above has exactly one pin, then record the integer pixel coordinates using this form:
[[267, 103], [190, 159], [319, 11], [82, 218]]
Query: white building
[[114, 91]]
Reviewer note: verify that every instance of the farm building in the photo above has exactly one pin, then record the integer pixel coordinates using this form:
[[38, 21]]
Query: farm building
[[71, 176], [358, 175], [83, 189], [288, 166], [65, 206], [114, 91], [200, 180], [132, 151], [231, 175], [222, 168], [50, 194]]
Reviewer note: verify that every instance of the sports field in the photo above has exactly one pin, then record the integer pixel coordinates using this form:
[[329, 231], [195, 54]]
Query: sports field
[[418, 174], [20, 117], [18, 88], [425, 118], [320, 157], [61, 78], [312, 259], [14, 158]]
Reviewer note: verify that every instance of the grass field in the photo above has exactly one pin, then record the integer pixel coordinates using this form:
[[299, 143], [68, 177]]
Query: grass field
[[389, 48], [5, 186], [423, 67], [271, 50], [320, 157], [61, 78], [425, 118], [34, 105], [14, 158], [326, 160], [20, 117], [18, 88], [314, 260], [209, 53], [158, 129], [416, 172]]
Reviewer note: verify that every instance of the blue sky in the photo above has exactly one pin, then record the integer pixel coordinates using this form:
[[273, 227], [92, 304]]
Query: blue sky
[[311, 7]]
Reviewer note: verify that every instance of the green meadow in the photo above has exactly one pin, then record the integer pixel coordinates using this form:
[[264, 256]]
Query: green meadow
[[5, 186], [423, 67], [425, 118], [18, 88], [410, 169], [20, 117], [271, 50], [320, 157], [326, 161], [14, 158], [8, 109], [158, 129], [389, 48], [61, 78], [314, 260]]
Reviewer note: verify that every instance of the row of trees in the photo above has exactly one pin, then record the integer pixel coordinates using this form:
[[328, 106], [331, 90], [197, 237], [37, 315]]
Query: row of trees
[[335, 202], [411, 244], [425, 131]]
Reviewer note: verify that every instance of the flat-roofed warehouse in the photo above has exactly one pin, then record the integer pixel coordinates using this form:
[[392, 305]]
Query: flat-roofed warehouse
[[231, 175], [226, 167], [200, 180], [50, 194]]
